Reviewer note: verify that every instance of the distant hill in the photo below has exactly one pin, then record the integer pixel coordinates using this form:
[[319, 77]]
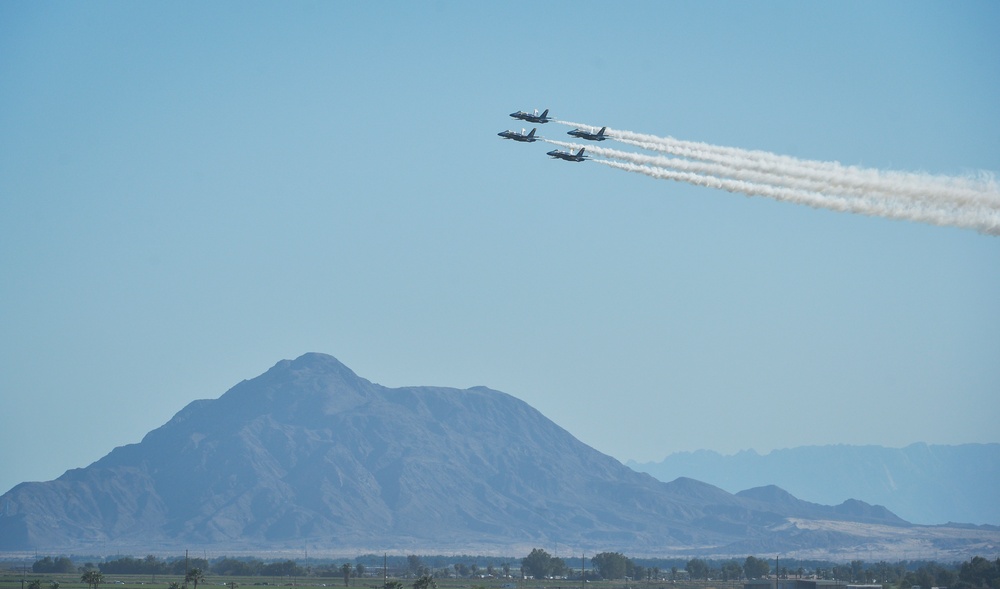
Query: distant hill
[[309, 455], [921, 483]]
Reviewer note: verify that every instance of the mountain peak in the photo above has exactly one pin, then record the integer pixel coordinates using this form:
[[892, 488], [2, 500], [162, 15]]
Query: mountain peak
[[316, 362], [307, 387], [855, 509], [771, 493]]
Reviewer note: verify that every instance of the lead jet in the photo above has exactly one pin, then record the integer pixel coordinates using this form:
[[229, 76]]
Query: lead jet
[[599, 136], [568, 155], [532, 118], [528, 138]]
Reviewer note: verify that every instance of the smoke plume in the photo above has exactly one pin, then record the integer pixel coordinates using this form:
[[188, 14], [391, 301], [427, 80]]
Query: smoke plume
[[969, 202]]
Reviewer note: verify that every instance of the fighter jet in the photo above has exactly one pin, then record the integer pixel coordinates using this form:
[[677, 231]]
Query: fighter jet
[[599, 136], [568, 155], [532, 118], [528, 138]]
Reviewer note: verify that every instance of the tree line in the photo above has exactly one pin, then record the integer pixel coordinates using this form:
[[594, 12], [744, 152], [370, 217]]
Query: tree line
[[615, 566], [977, 573], [151, 565]]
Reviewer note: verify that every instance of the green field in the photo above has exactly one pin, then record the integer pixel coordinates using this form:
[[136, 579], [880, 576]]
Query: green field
[[13, 580]]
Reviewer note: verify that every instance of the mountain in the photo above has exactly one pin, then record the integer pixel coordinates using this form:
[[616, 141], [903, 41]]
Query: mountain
[[310, 455], [921, 483]]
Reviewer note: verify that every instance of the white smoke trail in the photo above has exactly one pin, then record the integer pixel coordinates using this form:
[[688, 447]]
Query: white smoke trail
[[982, 191], [942, 200], [796, 183], [818, 200]]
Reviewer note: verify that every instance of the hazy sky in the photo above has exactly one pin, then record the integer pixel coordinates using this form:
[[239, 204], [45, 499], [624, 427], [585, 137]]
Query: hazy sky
[[191, 192]]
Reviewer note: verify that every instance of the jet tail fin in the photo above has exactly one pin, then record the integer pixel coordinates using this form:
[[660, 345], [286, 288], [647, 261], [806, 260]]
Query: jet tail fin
[[601, 132], [532, 134], [545, 113], [580, 153]]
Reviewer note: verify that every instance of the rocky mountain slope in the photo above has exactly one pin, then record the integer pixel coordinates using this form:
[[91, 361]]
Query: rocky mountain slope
[[311, 455]]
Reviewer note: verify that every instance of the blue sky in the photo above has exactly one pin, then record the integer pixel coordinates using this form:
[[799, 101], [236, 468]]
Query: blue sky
[[192, 192]]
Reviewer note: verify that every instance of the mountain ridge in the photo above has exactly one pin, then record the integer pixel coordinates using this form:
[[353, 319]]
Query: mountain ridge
[[922, 483], [310, 453]]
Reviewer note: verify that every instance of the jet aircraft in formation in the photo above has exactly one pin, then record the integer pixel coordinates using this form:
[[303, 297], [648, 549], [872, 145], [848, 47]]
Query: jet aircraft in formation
[[527, 138], [568, 155], [532, 118], [544, 118], [599, 136]]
